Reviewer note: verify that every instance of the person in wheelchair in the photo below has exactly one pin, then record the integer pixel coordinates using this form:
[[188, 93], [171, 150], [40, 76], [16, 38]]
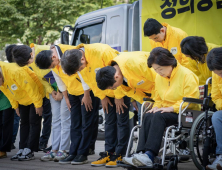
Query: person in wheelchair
[[196, 49], [172, 83], [214, 62]]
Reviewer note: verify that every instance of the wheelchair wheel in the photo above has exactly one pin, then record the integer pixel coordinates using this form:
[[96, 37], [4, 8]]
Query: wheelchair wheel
[[171, 166], [197, 139]]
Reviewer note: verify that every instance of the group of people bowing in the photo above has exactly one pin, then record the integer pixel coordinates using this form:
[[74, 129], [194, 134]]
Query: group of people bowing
[[77, 78]]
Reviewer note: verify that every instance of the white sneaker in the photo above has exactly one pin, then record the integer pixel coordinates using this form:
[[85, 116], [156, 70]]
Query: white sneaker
[[49, 156], [217, 164], [60, 156], [142, 159], [17, 155], [27, 155], [128, 160]]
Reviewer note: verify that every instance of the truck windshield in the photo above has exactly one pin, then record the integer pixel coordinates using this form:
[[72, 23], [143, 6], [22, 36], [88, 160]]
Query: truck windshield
[[94, 32]]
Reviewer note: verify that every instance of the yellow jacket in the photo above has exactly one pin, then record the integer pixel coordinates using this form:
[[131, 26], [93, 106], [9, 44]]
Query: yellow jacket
[[216, 92], [201, 69], [73, 83], [21, 85], [42, 72], [172, 42], [97, 56], [140, 78], [170, 91]]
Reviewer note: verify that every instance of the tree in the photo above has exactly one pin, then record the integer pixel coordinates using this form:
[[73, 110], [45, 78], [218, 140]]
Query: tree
[[40, 21]]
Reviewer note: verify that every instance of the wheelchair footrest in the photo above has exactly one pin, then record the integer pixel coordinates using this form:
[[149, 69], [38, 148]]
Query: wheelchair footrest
[[155, 166]]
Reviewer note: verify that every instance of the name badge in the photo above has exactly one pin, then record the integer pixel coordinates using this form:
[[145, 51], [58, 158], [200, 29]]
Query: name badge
[[96, 70], [173, 50], [14, 87], [141, 82]]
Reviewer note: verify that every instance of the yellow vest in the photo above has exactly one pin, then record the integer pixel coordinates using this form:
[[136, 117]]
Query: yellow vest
[[140, 78], [21, 85], [216, 92], [201, 69], [97, 56], [170, 91], [42, 72], [73, 83], [172, 42]]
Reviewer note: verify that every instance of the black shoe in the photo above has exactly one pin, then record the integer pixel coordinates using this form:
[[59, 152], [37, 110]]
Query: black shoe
[[47, 149], [68, 159], [12, 146], [42, 146], [91, 152], [80, 159]]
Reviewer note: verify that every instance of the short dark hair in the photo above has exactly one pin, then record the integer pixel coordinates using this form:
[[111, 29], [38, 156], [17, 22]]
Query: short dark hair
[[194, 46], [44, 59], [162, 57], [8, 52], [21, 54], [71, 61], [214, 59], [105, 77], [151, 26]]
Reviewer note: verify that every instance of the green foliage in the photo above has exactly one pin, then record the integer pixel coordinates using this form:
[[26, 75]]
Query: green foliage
[[40, 21]]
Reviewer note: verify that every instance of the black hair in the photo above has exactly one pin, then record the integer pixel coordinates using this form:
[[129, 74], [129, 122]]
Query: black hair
[[105, 77], [44, 59], [194, 46], [8, 52], [162, 57], [214, 59], [151, 26], [71, 61], [21, 54]]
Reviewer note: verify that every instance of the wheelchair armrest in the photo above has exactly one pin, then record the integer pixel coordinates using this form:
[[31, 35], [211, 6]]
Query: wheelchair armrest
[[148, 100], [192, 100]]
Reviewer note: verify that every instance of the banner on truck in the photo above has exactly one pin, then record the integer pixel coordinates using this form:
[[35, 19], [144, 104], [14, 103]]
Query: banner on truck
[[195, 17]]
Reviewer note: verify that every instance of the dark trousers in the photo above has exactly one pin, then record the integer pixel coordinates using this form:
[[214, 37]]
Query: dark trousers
[[47, 123], [15, 127], [117, 128], [94, 131], [153, 127], [30, 128], [81, 130], [6, 129]]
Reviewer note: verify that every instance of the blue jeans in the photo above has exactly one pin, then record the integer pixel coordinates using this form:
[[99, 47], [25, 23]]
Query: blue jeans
[[15, 127], [217, 124]]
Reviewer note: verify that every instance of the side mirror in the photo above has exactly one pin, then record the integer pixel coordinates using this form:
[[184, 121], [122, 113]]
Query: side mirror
[[84, 38], [64, 37]]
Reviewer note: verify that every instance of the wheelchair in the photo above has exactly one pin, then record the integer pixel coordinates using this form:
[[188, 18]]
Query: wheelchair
[[193, 131], [202, 136]]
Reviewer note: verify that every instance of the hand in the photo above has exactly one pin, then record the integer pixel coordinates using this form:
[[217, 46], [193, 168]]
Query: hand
[[68, 103], [17, 111], [153, 110], [135, 105], [54, 94], [165, 110], [39, 111], [87, 101], [65, 94], [148, 106], [59, 96], [105, 103], [119, 105]]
